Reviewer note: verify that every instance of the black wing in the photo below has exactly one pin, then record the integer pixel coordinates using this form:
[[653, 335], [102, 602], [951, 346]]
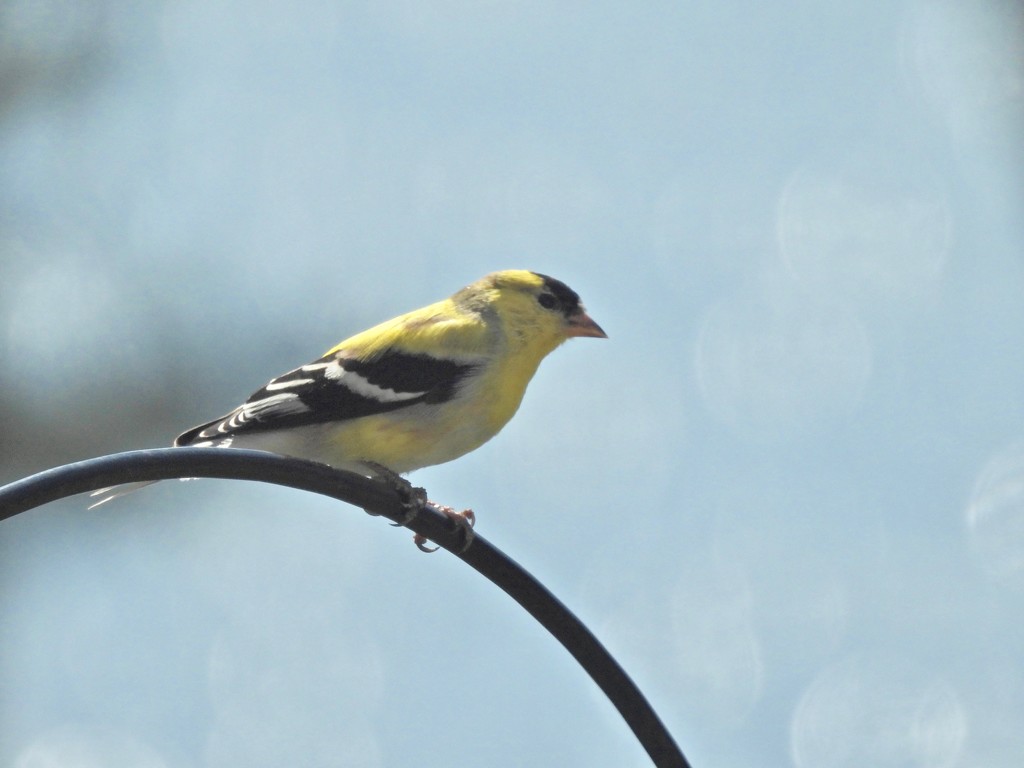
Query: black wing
[[336, 388]]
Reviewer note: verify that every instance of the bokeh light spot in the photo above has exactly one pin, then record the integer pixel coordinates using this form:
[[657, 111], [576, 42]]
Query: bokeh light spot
[[87, 747], [867, 230], [779, 368], [877, 713], [995, 517], [719, 658]]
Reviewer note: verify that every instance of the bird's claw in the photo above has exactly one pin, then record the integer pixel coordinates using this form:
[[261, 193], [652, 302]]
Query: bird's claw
[[413, 498], [464, 521], [421, 542]]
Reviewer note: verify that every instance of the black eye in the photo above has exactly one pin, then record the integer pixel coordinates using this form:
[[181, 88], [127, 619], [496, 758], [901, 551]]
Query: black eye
[[547, 301]]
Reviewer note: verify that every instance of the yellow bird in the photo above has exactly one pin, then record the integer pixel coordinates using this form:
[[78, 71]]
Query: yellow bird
[[421, 389]]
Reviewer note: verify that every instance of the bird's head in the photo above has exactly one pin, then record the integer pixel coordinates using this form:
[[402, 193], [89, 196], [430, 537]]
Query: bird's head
[[533, 308]]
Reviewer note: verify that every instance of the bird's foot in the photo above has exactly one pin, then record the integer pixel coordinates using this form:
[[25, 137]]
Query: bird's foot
[[464, 521], [413, 498]]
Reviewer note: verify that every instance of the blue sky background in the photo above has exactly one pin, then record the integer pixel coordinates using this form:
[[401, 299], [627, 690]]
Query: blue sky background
[[787, 493]]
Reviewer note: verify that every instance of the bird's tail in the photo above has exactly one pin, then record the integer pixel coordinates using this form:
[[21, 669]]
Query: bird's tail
[[116, 491]]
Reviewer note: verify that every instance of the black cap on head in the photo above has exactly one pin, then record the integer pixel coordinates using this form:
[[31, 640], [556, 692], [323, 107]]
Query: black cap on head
[[567, 297]]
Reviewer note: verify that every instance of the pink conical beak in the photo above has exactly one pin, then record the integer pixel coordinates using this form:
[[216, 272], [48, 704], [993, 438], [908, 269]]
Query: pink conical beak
[[582, 325]]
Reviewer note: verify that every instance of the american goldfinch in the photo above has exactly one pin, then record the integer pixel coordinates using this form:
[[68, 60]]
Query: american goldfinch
[[421, 389]]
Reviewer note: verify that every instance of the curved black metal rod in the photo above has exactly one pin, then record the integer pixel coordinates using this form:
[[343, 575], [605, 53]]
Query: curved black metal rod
[[379, 499]]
